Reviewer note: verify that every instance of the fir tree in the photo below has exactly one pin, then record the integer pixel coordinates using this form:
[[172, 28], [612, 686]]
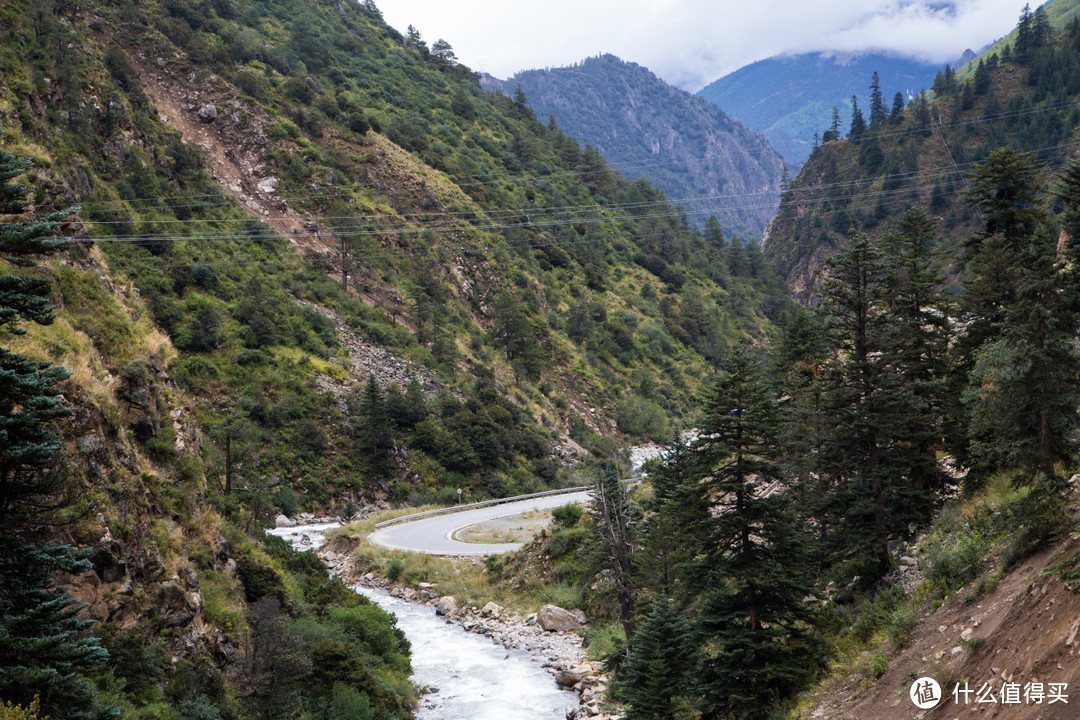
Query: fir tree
[[29, 397], [897, 113], [877, 390], [983, 78], [655, 672], [43, 647], [751, 563], [375, 439], [858, 123], [919, 356], [1023, 397], [878, 113]]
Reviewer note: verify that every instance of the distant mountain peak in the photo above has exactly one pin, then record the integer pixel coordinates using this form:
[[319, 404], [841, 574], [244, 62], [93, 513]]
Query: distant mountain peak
[[700, 156]]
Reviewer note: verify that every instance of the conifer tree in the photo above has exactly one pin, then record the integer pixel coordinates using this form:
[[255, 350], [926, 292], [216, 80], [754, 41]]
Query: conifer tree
[[1023, 397], [751, 563], [879, 393], [858, 123], [897, 113], [29, 397], [982, 78], [655, 672], [921, 333], [42, 643], [42, 646], [878, 113], [375, 440]]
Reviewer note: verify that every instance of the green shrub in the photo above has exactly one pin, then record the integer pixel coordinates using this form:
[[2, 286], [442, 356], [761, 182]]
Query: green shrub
[[394, 568], [567, 516]]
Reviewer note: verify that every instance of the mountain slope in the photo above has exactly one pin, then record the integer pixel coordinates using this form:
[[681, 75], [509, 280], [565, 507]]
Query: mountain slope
[[320, 269], [923, 158], [790, 98], [699, 156]]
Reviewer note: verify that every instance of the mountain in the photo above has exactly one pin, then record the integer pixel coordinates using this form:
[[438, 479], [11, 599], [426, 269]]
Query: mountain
[[314, 268], [1027, 100], [789, 99], [699, 156]]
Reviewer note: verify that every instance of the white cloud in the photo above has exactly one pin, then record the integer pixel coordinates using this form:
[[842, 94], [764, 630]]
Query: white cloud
[[692, 42]]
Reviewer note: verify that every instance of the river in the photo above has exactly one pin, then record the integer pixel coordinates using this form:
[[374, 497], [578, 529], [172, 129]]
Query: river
[[476, 679]]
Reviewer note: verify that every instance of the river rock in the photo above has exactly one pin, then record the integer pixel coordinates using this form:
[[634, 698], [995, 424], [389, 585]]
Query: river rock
[[569, 678], [555, 619], [491, 610], [284, 521], [446, 605]]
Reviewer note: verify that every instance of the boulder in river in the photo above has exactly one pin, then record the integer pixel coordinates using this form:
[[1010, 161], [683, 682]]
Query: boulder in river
[[446, 605]]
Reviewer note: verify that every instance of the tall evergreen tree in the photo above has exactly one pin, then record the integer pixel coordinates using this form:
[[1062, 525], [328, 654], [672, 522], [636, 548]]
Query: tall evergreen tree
[[897, 113], [858, 122], [1023, 397], [921, 332], [982, 79], [878, 113], [610, 509], [42, 644], [29, 397], [375, 439], [751, 565], [881, 393]]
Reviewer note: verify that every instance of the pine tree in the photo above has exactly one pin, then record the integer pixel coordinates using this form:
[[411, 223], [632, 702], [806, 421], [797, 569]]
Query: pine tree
[[1023, 395], [878, 114], [919, 357], [897, 113], [29, 397], [875, 460], [375, 439], [1024, 42], [983, 78], [655, 672], [751, 563], [858, 123], [42, 643]]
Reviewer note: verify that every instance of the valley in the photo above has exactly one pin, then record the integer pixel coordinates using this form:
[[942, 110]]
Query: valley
[[274, 263]]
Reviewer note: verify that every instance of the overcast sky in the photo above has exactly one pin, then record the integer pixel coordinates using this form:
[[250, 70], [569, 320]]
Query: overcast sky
[[690, 43]]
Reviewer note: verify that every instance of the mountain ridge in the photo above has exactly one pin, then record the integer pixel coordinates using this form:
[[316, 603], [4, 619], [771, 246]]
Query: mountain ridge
[[700, 156]]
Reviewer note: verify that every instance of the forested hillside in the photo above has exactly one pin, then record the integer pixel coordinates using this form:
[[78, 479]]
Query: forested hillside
[[313, 267], [887, 460], [910, 442], [703, 159], [873, 165], [790, 98]]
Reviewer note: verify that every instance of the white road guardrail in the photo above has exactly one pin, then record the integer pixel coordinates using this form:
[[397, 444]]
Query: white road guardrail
[[473, 506]]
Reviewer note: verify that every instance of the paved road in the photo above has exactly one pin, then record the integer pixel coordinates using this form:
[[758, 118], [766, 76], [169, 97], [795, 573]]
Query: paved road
[[434, 535]]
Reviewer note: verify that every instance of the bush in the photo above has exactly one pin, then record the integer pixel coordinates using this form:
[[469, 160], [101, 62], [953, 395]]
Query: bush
[[950, 566], [567, 516], [565, 541], [394, 568]]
